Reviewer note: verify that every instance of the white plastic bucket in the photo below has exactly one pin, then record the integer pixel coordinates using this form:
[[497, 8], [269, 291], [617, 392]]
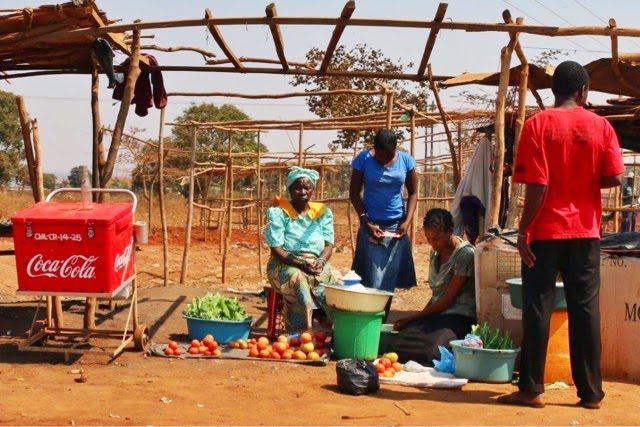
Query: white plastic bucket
[[141, 231]]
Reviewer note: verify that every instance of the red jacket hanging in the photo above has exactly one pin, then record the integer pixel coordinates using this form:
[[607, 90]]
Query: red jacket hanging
[[144, 97]]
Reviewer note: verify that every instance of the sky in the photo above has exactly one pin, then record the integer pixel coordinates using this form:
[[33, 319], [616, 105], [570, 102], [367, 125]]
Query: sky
[[62, 103]]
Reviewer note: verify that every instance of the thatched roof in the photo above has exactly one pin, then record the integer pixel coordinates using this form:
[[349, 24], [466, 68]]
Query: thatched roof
[[23, 36]]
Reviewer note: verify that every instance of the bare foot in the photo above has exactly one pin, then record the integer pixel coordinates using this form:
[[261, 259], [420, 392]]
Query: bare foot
[[522, 398]]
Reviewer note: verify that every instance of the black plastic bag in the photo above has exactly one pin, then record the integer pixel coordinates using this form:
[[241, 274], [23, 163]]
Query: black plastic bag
[[357, 377]]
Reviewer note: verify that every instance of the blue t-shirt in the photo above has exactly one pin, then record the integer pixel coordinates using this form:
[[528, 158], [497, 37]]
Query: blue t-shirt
[[383, 185]]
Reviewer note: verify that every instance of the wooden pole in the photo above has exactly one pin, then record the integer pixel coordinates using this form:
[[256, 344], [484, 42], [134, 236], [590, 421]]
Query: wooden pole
[[443, 117], [37, 157], [321, 180], [227, 242], [412, 230], [300, 144], [390, 96], [161, 201], [28, 147], [522, 111], [259, 210], [496, 179], [222, 213], [187, 231], [132, 77]]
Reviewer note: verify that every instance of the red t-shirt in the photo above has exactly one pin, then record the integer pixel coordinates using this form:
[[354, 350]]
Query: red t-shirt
[[568, 151]]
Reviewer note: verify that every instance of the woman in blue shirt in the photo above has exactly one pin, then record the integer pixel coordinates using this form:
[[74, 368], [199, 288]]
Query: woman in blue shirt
[[300, 235], [383, 257]]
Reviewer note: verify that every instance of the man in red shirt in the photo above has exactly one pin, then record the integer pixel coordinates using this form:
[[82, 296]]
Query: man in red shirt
[[565, 156]]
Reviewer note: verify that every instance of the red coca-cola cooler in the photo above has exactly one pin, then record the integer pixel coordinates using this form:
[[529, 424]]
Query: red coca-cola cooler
[[63, 249]]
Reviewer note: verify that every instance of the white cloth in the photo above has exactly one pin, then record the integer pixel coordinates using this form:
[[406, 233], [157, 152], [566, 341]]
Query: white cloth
[[475, 182], [423, 377]]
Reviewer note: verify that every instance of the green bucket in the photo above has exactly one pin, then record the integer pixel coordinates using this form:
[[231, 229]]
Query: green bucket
[[356, 335]]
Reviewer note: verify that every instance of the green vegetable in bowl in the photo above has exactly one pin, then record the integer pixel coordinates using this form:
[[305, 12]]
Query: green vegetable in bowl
[[216, 307], [492, 338]]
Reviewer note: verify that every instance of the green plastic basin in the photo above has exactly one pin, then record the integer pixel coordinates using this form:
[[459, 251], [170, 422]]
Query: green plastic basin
[[515, 291]]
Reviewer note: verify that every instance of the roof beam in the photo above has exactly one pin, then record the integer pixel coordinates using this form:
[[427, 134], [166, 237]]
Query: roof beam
[[276, 35], [215, 32], [431, 40], [347, 11], [115, 39]]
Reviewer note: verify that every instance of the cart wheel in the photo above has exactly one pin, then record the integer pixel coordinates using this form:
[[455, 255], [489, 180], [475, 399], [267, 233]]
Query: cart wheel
[[141, 337]]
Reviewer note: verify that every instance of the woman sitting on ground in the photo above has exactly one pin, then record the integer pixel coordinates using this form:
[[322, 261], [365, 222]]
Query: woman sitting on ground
[[300, 235], [451, 311]]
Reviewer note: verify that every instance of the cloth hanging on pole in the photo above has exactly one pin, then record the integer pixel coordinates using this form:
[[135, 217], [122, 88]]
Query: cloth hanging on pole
[[145, 96]]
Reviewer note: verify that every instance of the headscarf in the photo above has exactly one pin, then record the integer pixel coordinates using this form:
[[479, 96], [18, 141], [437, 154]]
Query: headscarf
[[298, 172]]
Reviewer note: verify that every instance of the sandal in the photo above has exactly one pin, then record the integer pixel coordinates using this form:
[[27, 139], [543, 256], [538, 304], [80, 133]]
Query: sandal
[[521, 398], [590, 404]]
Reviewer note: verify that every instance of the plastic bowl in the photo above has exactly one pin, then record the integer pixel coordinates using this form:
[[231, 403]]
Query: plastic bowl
[[351, 282], [347, 299], [223, 331], [515, 291]]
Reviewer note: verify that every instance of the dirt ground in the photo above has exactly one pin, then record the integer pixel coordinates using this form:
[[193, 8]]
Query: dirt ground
[[41, 389]]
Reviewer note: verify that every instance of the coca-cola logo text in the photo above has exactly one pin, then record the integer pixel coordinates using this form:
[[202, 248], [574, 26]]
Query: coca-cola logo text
[[122, 260], [74, 267]]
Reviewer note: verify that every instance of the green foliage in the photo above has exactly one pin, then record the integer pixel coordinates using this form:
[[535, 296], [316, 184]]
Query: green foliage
[[118, 183], [361, 58], [11, 143], [216, 307], [75, 176], [492, 339], [49, 181]]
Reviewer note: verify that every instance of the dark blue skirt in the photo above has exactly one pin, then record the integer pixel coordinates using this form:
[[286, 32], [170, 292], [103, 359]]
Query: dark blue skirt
[[385, 265]]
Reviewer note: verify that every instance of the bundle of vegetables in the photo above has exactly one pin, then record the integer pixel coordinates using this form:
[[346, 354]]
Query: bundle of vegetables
[[216, 307], [492, 338]]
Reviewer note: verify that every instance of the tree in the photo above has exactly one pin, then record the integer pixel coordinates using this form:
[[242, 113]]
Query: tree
[[11, 144], [75, 176], [49, 181], [209, 141], [361, 58]]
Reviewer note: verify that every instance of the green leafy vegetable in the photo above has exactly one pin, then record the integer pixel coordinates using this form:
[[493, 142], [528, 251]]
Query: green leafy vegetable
[[492, 339], [216, 307]]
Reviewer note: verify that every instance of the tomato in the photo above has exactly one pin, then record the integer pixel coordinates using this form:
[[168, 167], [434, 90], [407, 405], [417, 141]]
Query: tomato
[[234, 344], [380, 368], [319, 345], [294, 341], [393, 357], [313, 356], [299, 355], [169, 351], [208, 337], [287, 355], [252, 341], [202, 349], [206, 341], [397, 366], [386, 362], [264, 340], [262, 345], [177, 352], [320, 336], [243, 345], [195, 343], [389, 373], [207, 353], [307, 347], [253, 352], [217, 352], [264, 354], [212, 345], [280, 347], [282, 338], [306, 337], [275, 355], [194, 350], [173, 345]]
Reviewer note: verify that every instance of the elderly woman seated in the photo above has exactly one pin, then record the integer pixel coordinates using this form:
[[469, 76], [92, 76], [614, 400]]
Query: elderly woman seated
[[300, 235], [451, 311]]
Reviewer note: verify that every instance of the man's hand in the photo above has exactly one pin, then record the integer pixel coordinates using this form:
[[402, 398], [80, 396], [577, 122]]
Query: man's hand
[[528, 258], [402, 229], [403, 323], [375, 231]]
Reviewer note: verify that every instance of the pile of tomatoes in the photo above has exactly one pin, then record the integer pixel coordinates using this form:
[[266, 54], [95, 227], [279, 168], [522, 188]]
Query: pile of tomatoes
[[205, 347], [308, 346], [388, 365]]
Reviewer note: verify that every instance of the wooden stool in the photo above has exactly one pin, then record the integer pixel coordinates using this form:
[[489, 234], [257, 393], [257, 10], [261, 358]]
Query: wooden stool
[[275, 318], [558, 362]]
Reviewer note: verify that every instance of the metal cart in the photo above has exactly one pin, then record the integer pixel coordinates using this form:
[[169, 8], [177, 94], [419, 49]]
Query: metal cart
[[47, 338]]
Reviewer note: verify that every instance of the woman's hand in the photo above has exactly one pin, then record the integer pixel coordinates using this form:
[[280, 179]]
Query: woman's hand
[[375, 231], [403, 323], [315, 266], [402, 229]]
